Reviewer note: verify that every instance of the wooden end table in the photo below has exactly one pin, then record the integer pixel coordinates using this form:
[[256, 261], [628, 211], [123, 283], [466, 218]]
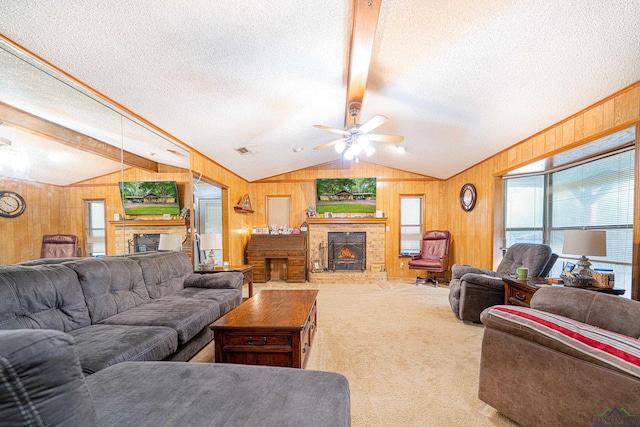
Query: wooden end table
[[520, 291], [274, 328], [246, 270]]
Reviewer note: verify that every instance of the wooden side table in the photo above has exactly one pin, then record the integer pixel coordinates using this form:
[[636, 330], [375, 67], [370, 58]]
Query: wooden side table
[[520, 291], [246, 270]]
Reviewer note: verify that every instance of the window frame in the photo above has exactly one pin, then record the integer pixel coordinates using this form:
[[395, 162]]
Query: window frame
[[420, 225], [548, 227], [87, 226]]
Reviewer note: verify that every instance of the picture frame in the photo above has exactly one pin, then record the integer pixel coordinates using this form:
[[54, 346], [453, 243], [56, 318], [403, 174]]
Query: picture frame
[[568, 266]]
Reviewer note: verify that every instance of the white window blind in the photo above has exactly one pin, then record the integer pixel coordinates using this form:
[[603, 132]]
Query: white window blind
[[597, 195], [410, 224], [524, 210]]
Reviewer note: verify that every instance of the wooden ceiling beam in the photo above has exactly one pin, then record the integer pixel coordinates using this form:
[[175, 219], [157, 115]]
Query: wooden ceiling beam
[[38, 126], [363, 32]]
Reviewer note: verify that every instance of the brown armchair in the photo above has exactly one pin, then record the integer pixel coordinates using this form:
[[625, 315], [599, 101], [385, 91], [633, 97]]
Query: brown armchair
[[433, 257], [59, 246]]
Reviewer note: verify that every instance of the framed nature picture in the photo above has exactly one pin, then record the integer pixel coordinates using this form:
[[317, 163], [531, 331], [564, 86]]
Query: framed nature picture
[[350, 195]]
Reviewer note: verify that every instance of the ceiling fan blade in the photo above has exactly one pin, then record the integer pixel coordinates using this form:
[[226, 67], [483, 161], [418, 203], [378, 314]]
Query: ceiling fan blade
[[386, 138], [341, 132], [328, 144], [372, 124]]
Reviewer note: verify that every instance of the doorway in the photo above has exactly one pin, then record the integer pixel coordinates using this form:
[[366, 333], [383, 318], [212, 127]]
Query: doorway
[[207, 216]]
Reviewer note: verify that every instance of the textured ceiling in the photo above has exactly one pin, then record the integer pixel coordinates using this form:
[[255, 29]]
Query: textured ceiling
[[460, 79]]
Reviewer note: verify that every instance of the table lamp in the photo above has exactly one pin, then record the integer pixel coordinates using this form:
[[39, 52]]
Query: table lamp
[[584, 242], [170, 242], [210, 242]]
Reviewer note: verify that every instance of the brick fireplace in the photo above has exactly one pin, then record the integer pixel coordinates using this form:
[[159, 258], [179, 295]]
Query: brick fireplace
[[373, 231], [127, 230]]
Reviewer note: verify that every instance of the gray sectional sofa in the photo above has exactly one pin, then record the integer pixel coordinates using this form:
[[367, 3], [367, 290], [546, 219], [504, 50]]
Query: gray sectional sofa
[[87, 342], [42, 384], [140, 307]]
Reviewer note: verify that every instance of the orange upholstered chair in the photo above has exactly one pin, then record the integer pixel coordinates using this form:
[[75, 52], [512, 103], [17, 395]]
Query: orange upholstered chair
[[433, 257]]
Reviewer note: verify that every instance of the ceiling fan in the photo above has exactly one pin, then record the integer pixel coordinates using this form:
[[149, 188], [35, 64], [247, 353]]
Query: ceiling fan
[[356, 138]]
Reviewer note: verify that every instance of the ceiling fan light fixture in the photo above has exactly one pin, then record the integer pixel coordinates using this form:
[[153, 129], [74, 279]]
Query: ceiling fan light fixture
[[363, 141], [348, 155], [340, 146], [369, 150]]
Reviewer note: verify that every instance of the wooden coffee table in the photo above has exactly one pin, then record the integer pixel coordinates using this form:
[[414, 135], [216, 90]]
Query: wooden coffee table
[[520, 291], [274, 328]]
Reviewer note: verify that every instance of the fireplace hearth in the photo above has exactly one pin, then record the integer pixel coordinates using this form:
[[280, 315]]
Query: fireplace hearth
[[347, 251]]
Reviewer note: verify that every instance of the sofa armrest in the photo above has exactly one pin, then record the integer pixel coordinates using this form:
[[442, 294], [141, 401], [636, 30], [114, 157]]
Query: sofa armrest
[[416, 256], [572, 337], [459, 270], [594, 308], [224, 280], [41, 381], [483, 280]]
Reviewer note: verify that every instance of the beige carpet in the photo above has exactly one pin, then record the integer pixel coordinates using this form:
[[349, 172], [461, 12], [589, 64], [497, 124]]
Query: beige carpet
[[409, 361]]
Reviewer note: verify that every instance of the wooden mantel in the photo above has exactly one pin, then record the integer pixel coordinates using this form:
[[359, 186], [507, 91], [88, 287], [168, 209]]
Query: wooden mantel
[[148, 222], [346, 220]]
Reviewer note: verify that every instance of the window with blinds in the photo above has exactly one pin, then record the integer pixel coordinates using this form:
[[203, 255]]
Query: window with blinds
[[597, 194], [524, 213], [410, 224]]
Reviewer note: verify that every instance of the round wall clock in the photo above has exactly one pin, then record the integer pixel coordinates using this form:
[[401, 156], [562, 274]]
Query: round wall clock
[[468, 197], [11, 204]]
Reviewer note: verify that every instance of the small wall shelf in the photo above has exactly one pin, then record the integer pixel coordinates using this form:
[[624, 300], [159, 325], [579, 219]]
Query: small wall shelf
[[243, 205]]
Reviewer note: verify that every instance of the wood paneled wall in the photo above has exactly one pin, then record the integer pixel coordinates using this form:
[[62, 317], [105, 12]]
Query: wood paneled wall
[[391, 183], [60, 210], [106, 188], [45, 214], [474, 231], [54, 209]]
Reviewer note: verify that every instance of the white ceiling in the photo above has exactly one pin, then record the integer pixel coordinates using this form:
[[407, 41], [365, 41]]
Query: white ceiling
[[460, 79]]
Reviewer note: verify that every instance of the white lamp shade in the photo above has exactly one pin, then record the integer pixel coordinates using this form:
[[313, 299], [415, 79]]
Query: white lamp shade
[[170, 242], [585, 242], [211, 241]]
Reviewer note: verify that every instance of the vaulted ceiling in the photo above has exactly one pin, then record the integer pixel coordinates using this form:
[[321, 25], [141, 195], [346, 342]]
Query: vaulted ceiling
[[459, 79]]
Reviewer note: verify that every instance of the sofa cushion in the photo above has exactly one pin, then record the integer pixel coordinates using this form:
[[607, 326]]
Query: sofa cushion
[[610, 349], [227, 299], [41, 297], [110, 285], [163, 394], [41, 383], [184, 315], [163, 272], [100, 346]]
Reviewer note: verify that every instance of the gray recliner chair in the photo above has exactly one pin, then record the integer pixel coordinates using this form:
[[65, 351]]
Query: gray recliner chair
[[472, 289]]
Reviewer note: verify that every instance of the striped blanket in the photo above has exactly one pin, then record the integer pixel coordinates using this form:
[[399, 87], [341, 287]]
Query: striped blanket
[[617, 350]]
